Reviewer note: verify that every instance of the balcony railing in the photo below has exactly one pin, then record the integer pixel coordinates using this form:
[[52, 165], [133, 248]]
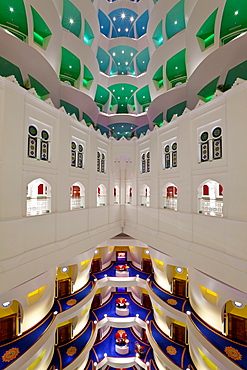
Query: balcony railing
[[211, 207], [170, 203], [38, 206], [145, 201], [77, 203]]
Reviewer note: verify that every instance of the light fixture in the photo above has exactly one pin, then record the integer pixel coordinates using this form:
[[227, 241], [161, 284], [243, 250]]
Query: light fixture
[[131, 90], [114, 18], [64, 269], [143, 61], [122, 88], [114, 54], [147, 321], [143, 28], [105, 275], [176, 67], [71, 21], [118, 64], [105, 315], [137, 315], [143, 97], [131, 19], [122, 125], [122, 51], [113, 90], [101, 61], [236, 12], [6, 304], [179, 270], [102, 27], [238, 304], [148, 280], [126, 29], [123, 15], [95, 363], [188, 313], [95, 279], [55, 312], [118, 97], [126, 63], [105, 354], [112, 127], [70, 66], [119, 29], [122, 73], [11, 9], [96, 251], [131, 54], [175, 22], [121, 105], [131, 128], [147, 251], [95, 322]]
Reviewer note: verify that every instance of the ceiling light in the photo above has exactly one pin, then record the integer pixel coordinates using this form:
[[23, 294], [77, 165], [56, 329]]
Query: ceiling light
[[126, 29], [114, 54], [118, 132], [96, 251], [114, 18], [64, 269], [70, 66], [179, 270], [143, 28], [126, 63], [122, 51], [123, 15], [131, 54], [102, 26], [119, 29], [122, 106], [112, 127], [143, 61], [175, 22], [122, 73], [238, 304], [6, 304], [119, 63], [101, 61], [236, 12], [131, 90], [113, 90], [176, 67], [122, 125], [118, 97], [143, 97], [101, 96], [122, 88], [131, 128], [71, 21], [11, 9], [131, 19]]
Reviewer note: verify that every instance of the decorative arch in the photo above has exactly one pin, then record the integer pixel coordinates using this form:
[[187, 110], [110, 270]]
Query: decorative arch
[[101, 195], [170, 195], [116, 194], [210, 198], [129, 193], [77, 196], [145, 195], [38, 201]]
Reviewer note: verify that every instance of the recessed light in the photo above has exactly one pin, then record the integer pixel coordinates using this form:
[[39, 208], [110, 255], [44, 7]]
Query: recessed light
[[114, 18], [143, 61], [126, 63], [122, 51], [122, 88], [101, 61], [131, 128], [122, 125], [71, 21], [122, 106], [147, 251], [131, 19], [175, 22], [11, 9], [102, 26], [143, 97], [6, 304], [123, 15], [101, 96], [179, 270], [176, 67], [118, 97], [236, 12], [131, 90], [70, 66], [119, 63], [122, 73], [114, 54], [64, 269], [119, 29], [143, 28], [96, 251], [126, 29], [238, 304], [113, 90]]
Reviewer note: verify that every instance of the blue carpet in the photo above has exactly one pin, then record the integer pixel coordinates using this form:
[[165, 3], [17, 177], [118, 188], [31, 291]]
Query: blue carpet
[[69, 351], [77, 296], [109, 308], [237, 351], [174, 351], [181, 304], [111, 271], [107, 345], [25, 341]]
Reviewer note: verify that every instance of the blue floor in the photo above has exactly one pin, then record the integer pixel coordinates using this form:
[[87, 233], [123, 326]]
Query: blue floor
[[109, 307], [235, 351], [111, 271], [66, 302]]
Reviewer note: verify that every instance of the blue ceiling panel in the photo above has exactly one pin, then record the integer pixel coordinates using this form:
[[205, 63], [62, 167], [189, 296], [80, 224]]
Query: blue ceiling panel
[[104, 23], [141, 24]]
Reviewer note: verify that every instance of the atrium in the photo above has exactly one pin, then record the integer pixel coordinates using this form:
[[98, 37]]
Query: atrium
[[122, 184]]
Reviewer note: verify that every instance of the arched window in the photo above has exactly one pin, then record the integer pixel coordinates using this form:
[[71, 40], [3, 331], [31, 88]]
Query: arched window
[[170, 155], [170, 194], [116, 194], [38, 146], [98, 161], [101, 162], [101, 195], [145, 196], [210, 197], [210, 145], [129, 195], [77, 196], [77, 155], [38, 198]]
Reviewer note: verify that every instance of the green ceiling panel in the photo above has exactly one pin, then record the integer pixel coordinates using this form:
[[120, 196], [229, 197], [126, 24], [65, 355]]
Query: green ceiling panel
[[238, 71], [70, 109], [234, 20], [8, 69], [176, 68], [70, 68], [88, 34], [159, 119], [71, 18], [158, 78], [41, 32], [87, 119], [158, 35], [176, 109], [87, 78], [122, 93], [40, 89], [175, 21], [143, 96], [101, 95], [142, 60], [13, 17], [207, 92], [103, 59], [122, 57], [205, 35]]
